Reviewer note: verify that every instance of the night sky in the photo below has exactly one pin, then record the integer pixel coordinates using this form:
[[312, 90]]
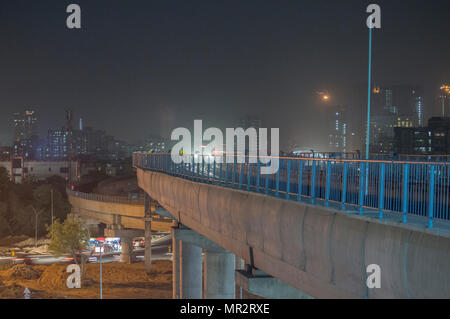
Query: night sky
[[144, 67]]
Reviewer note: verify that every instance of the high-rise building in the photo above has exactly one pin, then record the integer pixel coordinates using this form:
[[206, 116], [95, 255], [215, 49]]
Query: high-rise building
[[157, 144], [444, 98], [25, 133], [394, 106], [58, 144], [338, 138], [433, 139]]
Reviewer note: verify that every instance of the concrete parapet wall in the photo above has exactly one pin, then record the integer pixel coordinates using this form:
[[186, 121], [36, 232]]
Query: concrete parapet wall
[[320, 251], [108, 207], [129, 216]]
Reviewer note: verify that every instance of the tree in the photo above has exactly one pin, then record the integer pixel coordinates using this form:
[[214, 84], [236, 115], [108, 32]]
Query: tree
[[70, 237], [42, 201], [5, 183]]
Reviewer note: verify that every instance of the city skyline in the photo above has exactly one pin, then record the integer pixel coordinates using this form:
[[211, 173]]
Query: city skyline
[[133, 69], [224, 153]]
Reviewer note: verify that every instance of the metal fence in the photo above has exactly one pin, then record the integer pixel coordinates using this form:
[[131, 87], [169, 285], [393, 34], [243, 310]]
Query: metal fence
[[376, 157], [139, 200], [406, 188]]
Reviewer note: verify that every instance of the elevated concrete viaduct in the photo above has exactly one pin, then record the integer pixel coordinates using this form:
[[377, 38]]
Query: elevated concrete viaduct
[[292, 249], [126, 219]]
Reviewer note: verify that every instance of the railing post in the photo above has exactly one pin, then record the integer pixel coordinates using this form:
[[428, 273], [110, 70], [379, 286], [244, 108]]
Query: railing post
[[277, 193], [233, 173], [209, 169], [203, 167], [431, 196], [249, 180], [405, 192], [344, 185], [288, 180], [313, 181], [258, 169], [193, 167], [300, 180], [328, 185], [214, 171], [267, 184], [381, 189], [226, 173], [198, 171], [241, 175], [362, 172]]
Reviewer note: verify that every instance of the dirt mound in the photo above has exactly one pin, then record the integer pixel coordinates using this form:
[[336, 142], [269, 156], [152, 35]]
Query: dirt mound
[[21, 271], [11, 240], [16, 291], [30, 242], [54, 276], [6, 264], [11, 292]]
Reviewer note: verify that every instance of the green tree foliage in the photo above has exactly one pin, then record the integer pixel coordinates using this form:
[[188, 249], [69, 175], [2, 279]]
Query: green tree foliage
[[70, 237], [19, 204], [5, 184]]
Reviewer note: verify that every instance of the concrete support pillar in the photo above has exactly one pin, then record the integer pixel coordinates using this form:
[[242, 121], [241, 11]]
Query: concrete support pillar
[[257, 284], [126, 238], [175, 266], [148, 246], [219, 274], [127, 249], [239, 265], [190, 271]]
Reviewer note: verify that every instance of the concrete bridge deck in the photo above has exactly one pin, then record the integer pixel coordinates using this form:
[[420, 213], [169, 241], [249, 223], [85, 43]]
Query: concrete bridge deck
[[111, 210], [320, 251]]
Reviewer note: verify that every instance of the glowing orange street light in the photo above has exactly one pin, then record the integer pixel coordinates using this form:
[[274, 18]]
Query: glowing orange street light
[[445, 93], [446, 88], [324, 96]]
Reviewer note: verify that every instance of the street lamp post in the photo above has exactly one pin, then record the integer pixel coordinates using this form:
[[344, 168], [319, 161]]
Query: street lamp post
[[369, 93], [101, 284], [51, 195], [36, 214]]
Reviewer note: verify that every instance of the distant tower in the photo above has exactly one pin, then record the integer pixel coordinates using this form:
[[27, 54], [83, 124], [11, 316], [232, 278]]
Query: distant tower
[[25, 133], [69, 118], [338, 130]]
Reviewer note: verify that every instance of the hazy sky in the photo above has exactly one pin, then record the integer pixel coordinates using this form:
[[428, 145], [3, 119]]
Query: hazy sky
[[142, 66]]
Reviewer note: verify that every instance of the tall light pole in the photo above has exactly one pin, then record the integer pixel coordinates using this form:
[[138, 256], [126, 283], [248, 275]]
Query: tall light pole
[[51, 195], [101, 279], [36, 214], [369, 93]]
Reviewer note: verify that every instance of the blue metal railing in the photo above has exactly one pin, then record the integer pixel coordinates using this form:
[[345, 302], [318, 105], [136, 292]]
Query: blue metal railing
[[404, 188], [378, 157]]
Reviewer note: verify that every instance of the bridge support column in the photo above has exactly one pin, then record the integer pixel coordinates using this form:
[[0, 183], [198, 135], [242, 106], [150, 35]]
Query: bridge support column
[[190, 271], [126, 239], [175, 266], [239, 265], [219, 274], [127, 249], [259, 284], [148, 246]]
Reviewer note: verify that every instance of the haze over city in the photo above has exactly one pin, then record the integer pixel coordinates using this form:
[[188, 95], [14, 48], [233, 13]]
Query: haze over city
[[224, 154], [149, 67]]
